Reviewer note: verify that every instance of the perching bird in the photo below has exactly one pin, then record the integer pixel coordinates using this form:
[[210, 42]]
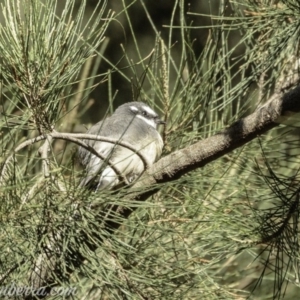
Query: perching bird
[[134, 123]]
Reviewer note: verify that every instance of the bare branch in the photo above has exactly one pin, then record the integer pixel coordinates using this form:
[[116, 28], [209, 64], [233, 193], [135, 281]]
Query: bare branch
[[181, 162], [85, 136], [70, 137], [75, 138]]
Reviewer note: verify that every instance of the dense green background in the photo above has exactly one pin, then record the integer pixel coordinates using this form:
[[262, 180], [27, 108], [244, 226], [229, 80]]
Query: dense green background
[[225, 231]]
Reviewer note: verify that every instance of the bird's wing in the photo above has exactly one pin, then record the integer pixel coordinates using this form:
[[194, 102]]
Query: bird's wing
[[91, 162]]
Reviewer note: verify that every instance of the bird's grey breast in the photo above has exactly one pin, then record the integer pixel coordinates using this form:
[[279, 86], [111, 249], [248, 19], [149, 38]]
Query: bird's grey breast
[[130, 129]]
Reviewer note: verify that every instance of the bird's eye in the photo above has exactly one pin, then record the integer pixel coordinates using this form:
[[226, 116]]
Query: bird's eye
[[144, 113]]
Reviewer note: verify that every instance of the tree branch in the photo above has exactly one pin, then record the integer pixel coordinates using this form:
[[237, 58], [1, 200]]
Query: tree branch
[[179, 163], [75, 138]]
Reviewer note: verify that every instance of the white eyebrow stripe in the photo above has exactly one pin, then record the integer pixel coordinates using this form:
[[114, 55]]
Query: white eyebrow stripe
[[133, 108], [149, 111]]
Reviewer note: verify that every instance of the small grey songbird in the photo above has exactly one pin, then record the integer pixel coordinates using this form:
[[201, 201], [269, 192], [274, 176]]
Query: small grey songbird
[[134, 123]]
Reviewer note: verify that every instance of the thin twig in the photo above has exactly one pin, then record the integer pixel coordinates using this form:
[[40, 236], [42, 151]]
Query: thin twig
[[85, 136], [81, 143], [75, 138]]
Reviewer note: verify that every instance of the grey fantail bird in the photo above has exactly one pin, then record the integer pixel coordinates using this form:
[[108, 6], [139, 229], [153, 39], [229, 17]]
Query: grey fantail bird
[[134, 123]]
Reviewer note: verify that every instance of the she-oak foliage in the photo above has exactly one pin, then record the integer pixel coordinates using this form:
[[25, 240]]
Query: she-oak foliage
[[223, 227]]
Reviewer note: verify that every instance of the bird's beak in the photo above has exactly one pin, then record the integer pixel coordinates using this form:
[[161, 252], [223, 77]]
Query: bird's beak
[[159, 122]]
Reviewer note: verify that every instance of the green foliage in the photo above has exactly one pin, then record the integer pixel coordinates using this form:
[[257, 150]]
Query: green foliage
[[226, 231]]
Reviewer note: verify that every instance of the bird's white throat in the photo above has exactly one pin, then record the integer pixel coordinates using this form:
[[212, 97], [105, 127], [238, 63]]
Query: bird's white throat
[[150, 122]]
